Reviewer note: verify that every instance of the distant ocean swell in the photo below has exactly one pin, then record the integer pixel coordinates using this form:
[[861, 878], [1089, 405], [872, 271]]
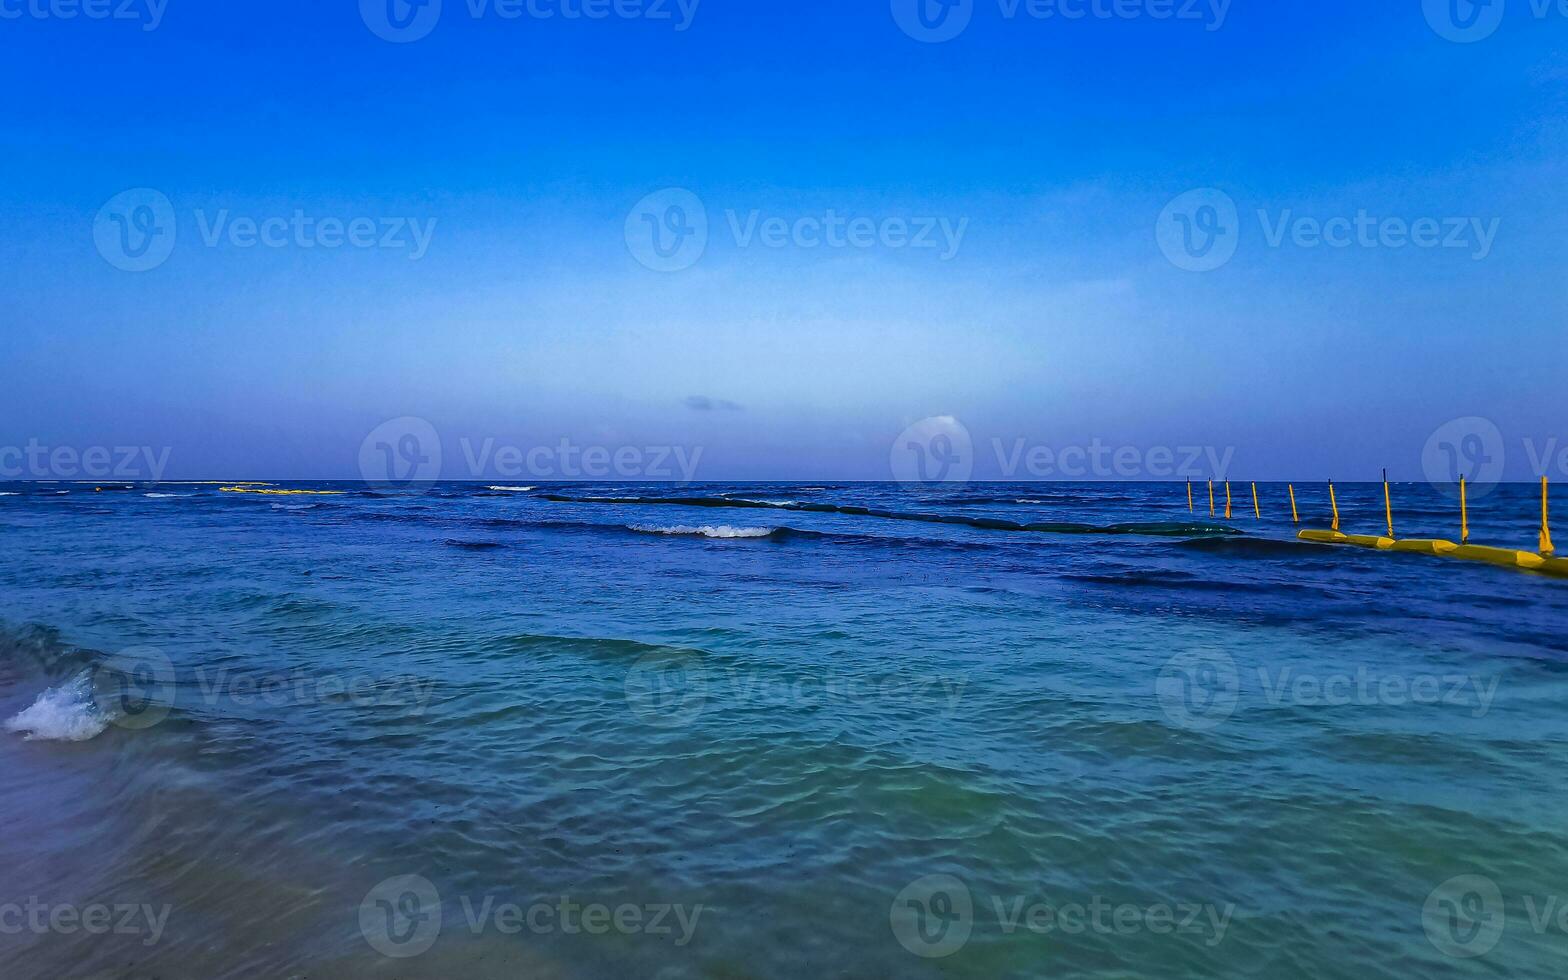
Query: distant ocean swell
[[1155, 529]]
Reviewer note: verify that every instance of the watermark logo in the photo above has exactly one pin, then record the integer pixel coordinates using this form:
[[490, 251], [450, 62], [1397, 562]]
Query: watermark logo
[[305, 231], [1470, 447], [148, 13], [1199, 230], [1464, 21], [1464, 916], [136, 229], [933, 450], [668, 689], [933, 21], [667, 231], [401, 917], [1106, 462], [936, 915], [134, 688], [933, 916], [405, 452], [400, 21], [1198, 689], [569, 461], [36, 461], [42, 919]]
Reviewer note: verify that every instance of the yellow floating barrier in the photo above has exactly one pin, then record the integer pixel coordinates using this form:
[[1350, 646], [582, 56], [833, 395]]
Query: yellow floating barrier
[[283, 493], [1545, 562], [1502, 557], [1426, 546]]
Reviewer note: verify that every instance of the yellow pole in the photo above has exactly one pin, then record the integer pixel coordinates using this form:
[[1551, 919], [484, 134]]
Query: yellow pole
[[1333, 502], [1295, 516], [1464, 514], [1227, 500], [1546, 526], [1256, 512], [1211, 498], [1189, 495], [1388, 504]]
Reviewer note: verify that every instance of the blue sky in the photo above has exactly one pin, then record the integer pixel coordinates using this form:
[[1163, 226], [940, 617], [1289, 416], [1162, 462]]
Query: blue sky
[[1041, 152]]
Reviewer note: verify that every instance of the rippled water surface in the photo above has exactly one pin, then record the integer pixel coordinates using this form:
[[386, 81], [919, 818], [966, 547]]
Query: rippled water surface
[[750, 731]]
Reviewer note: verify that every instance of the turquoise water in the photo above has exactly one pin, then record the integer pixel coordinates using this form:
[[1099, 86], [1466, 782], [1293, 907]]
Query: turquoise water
[[866, 730]]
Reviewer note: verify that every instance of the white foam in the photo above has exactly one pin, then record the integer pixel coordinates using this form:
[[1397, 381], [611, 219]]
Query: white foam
[[62, 714], [770, 503], [707, 530], [8, 495], [295, 506], [512, 489], [166, 496]]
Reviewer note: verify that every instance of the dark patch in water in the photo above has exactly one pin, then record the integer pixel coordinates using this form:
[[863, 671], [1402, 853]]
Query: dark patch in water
[[1157, 529]]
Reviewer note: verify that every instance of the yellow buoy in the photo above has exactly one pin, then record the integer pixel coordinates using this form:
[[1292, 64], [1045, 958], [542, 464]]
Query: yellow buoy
[[1546, 525], [1464, 514], [1388, 504]]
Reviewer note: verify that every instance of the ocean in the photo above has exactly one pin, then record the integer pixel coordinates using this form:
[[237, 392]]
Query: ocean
[[743, 730]]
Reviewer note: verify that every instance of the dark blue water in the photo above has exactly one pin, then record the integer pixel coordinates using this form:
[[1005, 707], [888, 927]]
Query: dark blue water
[[863, 730]]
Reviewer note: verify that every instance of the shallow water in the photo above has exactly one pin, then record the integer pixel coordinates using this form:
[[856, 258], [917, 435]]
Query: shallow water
[[987, 731]]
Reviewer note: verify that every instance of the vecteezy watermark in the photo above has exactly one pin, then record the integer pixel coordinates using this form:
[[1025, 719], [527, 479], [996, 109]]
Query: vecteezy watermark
[[301, 230], [135, 688], [147, 13], [1098, 460], [139, 687], [935, 916], [298, 687], [1474, 448], [136, 231], [566, 460], [1200, 689], [935, 21], [36, 461], [1200, 231], [405, 452], [1365, 687], [1466, 916], [403, 917], [933, 450], [405, 21], [1471, 448], [1468, 21], [41, 918], [673, 688], [669, 230]]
